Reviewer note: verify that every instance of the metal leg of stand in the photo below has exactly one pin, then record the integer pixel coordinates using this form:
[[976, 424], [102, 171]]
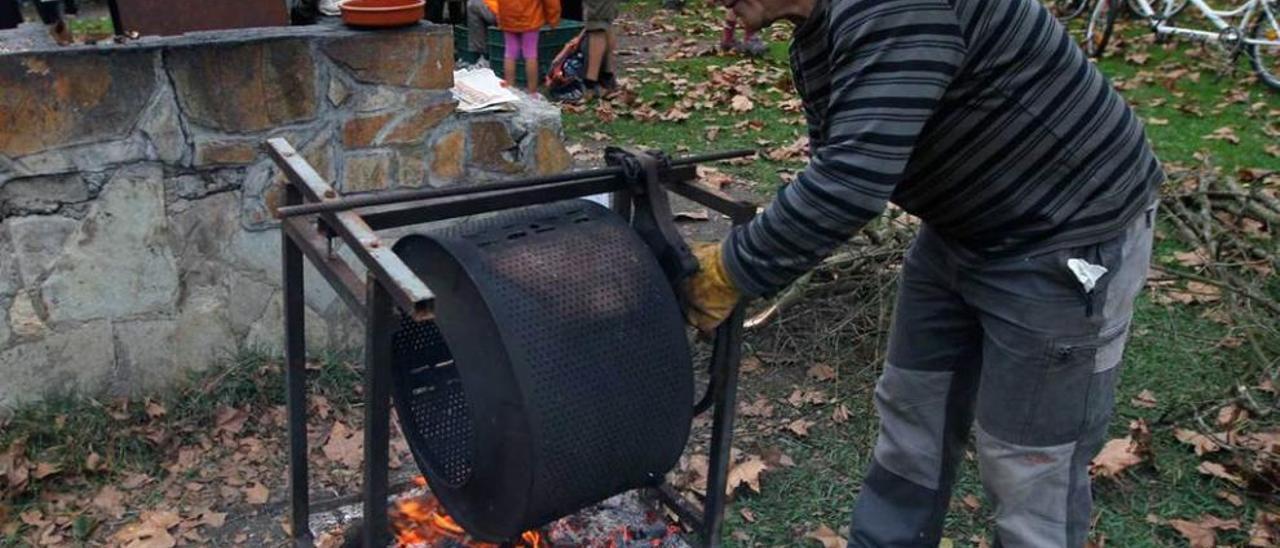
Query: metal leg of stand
[[295, 379], [377, 411], [726, 356]]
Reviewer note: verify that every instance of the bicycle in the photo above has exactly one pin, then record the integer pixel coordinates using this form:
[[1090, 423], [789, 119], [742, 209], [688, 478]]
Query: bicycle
[[1066, 10], [1256, 32]]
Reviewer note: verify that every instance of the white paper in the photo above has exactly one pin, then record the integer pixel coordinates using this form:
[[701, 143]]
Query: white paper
[[1086, 272], [480, 90]]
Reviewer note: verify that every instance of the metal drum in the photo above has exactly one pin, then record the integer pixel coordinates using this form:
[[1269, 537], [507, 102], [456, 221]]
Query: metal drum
[[557, 372]]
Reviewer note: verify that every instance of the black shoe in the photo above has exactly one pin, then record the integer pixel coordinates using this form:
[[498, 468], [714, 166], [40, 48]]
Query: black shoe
[[608, 81]]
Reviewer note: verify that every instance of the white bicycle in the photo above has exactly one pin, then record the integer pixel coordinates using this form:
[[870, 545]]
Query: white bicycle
[[1252, 27]]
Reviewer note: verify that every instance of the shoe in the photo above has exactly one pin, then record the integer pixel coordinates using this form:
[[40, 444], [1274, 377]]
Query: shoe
[[754, 47], [729, 46], [609, 82]]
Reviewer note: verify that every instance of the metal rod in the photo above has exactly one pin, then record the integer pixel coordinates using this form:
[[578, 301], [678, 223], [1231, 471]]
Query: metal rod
[[295, 375], [379, 324], [461, 206], [335, 270], [408, 291], [726, 355], [383, 198]]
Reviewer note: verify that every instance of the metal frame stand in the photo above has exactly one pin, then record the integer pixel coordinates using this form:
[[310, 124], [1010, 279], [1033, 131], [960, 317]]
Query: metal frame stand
[[314, 214]]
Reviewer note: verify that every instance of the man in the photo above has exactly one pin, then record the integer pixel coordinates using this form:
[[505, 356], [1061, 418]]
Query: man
[[1035, 185], [480, 15], [602, 43]]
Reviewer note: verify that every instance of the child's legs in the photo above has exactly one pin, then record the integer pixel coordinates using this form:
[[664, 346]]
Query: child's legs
[[511, 52], [529, 46]]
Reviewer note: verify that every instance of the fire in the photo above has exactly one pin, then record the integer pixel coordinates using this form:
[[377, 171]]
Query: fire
[[420, 522]]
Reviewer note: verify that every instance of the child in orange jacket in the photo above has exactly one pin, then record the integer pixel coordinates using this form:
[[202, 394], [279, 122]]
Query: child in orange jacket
[[520, 21]]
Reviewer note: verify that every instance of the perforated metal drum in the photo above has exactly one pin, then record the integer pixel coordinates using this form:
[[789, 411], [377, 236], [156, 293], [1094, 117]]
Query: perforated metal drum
[[556, 374]]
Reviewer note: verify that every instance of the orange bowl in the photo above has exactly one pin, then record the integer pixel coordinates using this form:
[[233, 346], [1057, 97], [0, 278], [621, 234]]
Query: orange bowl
[[382, 13]]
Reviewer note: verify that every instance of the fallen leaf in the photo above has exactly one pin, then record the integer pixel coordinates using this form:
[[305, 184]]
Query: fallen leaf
[[747, 515], [821, 372], [1265, 530], [746, 473], [800, 427], [110, 500], [1198, 536], [826, 537], [1231, 498], [750, 364], [1216, 470], [841, 414], [45, 469], [1117, 455], [1145, 398], [971, 502], [1225, 133], [256, 494], [1194, 258], [741, 103], [1138, 58], [1203, 292], [1202, 443], [759, 408], [1230, 414], [344, 445], [229, 419], [154, 409], [1157, 121], [1273, 150], [213, 519]]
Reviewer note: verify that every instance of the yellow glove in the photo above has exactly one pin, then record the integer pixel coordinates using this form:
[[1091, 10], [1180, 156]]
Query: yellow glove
[[709, 294]]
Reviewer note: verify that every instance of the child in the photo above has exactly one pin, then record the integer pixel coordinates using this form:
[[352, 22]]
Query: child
[[751, 43], [520, 21]]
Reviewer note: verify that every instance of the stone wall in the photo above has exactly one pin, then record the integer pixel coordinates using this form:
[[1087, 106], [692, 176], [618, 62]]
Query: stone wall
[[137, 239]]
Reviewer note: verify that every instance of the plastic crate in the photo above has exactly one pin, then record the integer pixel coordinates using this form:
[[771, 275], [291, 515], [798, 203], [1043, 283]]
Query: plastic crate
[[550, 42]]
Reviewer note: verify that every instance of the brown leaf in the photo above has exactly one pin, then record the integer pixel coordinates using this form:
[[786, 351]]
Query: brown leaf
[[1197, 535], [1202, 443], [826, 537], [800, 427], [747, 515], [750, 364], [1153, 121], [93, 462], [1230, 414], [344, 446], [746, 473], [230, 419], [1145, 398], [1265, 530], [822, 372], [45, 469], [759, 408], [1117, 455], [713, 177], [213, 519], [256, 493], [1203, 292], [1225, 133], [111, 501], [154, 409], [841, 414], [971, 502], [1194, 258], [1216, 470], [801, 397], [741, 103], [1231, 498]]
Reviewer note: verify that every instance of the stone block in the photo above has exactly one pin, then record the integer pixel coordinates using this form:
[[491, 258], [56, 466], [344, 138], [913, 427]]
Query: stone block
[[78, 359], [210, 152], [202, 333], [414, 128], [24, 320], [367, 171], [163, 128], [41, 194], [378, 99], [338, 92], [194, 186], [420, 58], [53, 101], [268, 331], [198, 235], [144, 355], [117, 263], [361, 132], [448, 156], [37, 243], [411, 169], [91, 157], [10, 279], [491, 144], [550, 155], [245, 87]]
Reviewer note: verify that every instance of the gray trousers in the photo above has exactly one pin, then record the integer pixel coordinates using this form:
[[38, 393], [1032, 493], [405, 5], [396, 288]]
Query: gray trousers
[[1022, 346], [479, 17]]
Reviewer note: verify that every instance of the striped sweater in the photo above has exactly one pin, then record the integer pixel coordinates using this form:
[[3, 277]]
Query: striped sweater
[[981, 117]]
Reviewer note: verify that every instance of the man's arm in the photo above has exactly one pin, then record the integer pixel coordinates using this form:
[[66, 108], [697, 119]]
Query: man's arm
[[891, 62]]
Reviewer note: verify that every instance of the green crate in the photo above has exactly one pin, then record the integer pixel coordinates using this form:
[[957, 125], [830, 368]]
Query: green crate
[[550, 42]]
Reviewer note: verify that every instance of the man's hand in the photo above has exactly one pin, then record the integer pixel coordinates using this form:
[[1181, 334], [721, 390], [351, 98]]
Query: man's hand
[[709, 294]]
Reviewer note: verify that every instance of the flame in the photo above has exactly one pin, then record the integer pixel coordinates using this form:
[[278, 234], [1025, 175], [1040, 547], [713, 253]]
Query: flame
[[421, 522]]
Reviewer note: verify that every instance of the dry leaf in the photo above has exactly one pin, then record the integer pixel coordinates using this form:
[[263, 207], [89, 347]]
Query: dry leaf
[[1194, 258], [759, 408], [828, 538], [746, 473], [1265, 530], [154, 409], [230, 419], [1198, 536], [971, 502], [1225, 133], [1202, 443], [1117, 455], [213, 519], [841, 414], [1153, 121], [747, 515], [344, 445], [1231, 498], [45, 469], [1216, 470], [1145, 398], [256, 493], [1203, 292], [741, 103], [111, 501], [750, 364], [821, 372], [800, 427], [1230, 414]]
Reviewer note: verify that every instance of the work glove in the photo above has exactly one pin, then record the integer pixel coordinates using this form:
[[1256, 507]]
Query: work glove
[[709, 294]]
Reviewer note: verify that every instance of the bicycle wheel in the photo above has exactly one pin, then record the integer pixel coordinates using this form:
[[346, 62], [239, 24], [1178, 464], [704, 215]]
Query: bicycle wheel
[[1066, 10], [1266, 57], [1101, 23]]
